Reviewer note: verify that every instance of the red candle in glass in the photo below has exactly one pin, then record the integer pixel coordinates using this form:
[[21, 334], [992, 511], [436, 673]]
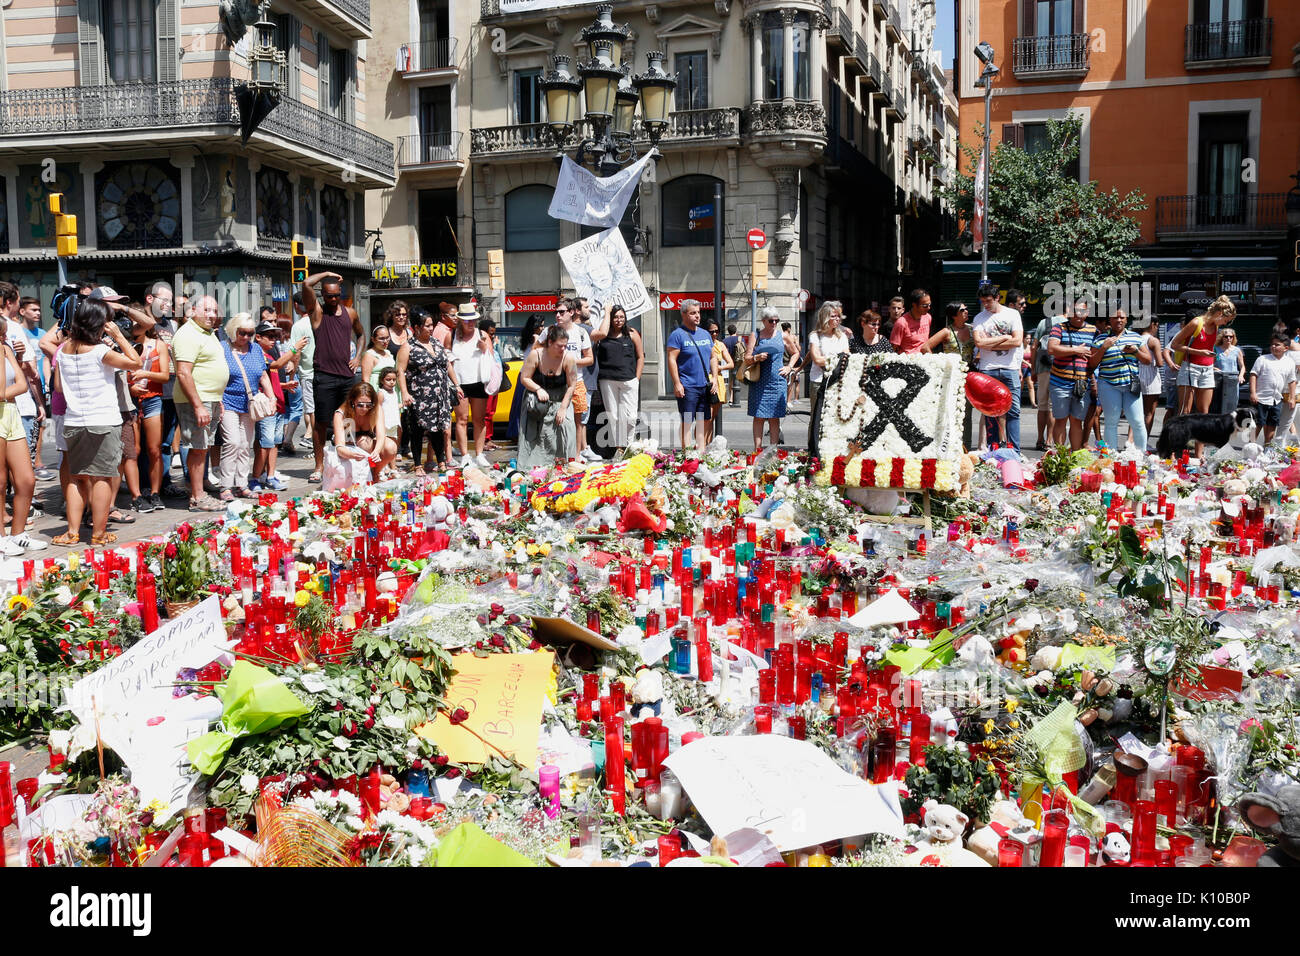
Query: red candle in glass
[[369, 787], [1144, 832], [618, 695], [767, 686], [7, 808], [1010, 852], [798, 727], [191, 849], [1055, 825], [590, 687], [1166, 801], [763, 718], [704, 659], [670, 848]]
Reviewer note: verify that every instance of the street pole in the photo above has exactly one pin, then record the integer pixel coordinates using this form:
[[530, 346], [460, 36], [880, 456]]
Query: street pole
[[988, 136], [717, 251]]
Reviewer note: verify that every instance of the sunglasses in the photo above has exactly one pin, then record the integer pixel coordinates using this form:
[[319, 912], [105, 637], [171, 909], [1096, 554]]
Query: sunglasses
[[245, 331], [561, 311], [363, 404]]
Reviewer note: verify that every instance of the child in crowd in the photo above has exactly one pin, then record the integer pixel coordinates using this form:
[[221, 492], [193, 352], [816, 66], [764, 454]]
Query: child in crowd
[[391, 405], [1273, 383]]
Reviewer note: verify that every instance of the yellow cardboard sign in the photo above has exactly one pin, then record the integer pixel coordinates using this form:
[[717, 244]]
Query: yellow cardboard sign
[[503, 695]]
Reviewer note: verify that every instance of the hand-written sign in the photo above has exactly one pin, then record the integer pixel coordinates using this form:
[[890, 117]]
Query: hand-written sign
[[784, 788], [593, 200], [603, 271], [503, 695]]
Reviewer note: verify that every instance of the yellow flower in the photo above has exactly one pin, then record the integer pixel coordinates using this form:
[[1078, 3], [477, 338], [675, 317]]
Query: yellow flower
[[1014, 724], [545, 548], [19, 601], [988, 726], [1012, 704], [301, 598]]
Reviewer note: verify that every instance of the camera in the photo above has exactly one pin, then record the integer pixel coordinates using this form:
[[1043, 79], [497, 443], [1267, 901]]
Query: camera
[[65, 302]]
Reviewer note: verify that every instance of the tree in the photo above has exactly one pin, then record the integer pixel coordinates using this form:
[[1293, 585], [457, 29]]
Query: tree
[[1046, 225]]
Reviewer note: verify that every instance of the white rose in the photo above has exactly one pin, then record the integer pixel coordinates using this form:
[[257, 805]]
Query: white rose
[[375, 698], [393, 722], [248, 783], [342, 743]]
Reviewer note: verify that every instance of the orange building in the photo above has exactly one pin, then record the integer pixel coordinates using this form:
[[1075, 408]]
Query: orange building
[[1196, 103]]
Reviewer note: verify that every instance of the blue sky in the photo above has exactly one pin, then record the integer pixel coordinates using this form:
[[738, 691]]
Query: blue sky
[[945, 39]]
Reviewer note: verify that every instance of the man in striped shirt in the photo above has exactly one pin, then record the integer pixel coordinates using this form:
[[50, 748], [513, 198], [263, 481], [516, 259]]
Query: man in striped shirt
[[1070, 346]]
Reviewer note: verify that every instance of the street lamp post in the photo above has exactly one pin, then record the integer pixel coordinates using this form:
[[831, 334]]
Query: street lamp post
[[985, 53], [611, 94]]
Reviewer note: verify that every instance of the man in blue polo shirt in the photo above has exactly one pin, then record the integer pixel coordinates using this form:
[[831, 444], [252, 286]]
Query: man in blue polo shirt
[[690, 362]]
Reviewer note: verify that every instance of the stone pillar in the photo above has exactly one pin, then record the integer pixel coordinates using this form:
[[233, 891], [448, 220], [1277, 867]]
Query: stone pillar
[[295, 179], [754, 25], [817, 55], [787, 54], [787, 208], [254, 165], [185, 163], [9, 183]]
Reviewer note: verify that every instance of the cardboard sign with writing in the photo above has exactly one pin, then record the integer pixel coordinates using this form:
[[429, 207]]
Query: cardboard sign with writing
[[557, 630], [503, 694]]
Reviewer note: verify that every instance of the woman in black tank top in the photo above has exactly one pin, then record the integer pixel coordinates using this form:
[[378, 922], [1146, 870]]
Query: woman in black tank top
[[620, 359]]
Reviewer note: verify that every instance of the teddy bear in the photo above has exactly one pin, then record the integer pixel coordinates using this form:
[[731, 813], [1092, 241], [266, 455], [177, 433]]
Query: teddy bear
[[1115, 848], [966, 471], [1005, 820], [943, 827], [1277, 816]]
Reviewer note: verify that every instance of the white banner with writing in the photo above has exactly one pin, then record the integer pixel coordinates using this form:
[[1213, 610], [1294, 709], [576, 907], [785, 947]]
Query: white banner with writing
[[593, 200], [603, 271]]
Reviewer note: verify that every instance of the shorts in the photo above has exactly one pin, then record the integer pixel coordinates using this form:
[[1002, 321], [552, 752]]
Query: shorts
[[293, 404], [94, 451], [1197, 376], [11, 423], [330, 392], [307, 385], [1066, 405], [151, 407], [474, 390], [1044, 386], [270, 431], [192, 436], [696, 405], [130, 447], [1269, 415]]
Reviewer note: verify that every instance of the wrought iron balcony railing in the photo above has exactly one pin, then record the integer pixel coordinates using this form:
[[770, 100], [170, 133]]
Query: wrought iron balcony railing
[[184, 103], [1051, 55], [1242, 213], [684, 126], [430, 55], [1229, 40], [429, 149]]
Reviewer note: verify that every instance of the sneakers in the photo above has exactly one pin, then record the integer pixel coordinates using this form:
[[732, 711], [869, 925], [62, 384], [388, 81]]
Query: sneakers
[[45, 474], [142, 504], [305, 442], [274, 483], [35, 512], [172, 490], [256, 484], [206, 503], [28, 543], [590, 455], [156, 502], [10, 548], [466, 462], [176, 463], [482, 462]]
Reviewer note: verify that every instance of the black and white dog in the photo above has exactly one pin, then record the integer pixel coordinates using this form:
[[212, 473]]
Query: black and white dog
[[1235, 428]]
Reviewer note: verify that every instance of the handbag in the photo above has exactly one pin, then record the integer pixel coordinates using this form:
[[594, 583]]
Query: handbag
[[260, 405], [534, 408]]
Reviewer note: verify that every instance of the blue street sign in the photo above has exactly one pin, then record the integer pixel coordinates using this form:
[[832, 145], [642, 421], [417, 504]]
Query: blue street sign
[[700, 212]]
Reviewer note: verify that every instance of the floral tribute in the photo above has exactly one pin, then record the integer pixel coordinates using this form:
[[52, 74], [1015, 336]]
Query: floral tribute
[[617, 481], [892, 421]]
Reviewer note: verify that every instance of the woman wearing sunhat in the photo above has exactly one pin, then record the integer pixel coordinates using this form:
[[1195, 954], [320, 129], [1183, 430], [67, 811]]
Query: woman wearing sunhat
[[470, 351]]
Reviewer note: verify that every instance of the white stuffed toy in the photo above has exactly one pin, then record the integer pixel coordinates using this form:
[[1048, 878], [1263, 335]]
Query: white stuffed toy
[[647, 693], [1115, 848], [944, 826], [440, 514]]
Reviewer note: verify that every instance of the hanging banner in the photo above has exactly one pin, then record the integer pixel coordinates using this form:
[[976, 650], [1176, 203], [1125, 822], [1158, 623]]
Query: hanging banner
[[591, 200], [603, 271], [981, 203]]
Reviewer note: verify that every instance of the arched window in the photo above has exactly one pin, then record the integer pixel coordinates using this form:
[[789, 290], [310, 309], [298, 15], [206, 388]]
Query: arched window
[[688, 214], [529, 227]]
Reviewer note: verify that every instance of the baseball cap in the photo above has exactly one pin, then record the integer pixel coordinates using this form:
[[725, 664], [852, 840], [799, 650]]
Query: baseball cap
[[108, 294], [268, 328]]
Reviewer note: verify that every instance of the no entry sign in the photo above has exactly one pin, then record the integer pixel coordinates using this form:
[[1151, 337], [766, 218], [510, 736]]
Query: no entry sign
[[756, 238]]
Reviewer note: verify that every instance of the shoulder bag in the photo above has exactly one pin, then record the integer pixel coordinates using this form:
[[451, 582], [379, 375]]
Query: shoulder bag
[[259, 405]]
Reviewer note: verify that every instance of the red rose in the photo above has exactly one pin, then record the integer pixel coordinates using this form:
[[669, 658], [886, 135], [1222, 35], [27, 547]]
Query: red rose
[[441, 760], [691, 466], [170, 550], [459, 716], [370, 723], [453, 773]]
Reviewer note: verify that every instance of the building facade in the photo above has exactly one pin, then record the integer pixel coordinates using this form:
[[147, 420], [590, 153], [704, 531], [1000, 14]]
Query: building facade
[[1196, 104], [820, 120], [128, 108], [418, 67]]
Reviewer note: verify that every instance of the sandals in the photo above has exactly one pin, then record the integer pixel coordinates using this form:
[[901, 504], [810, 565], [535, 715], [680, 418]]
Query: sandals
[[99, 540], [206, 503], [245, 493], [226, 495], [419, 471], [66, 540], [120, 517], [314, 478]]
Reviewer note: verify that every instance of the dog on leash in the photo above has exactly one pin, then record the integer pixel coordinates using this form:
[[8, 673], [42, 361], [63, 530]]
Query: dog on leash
[[1234, 428]]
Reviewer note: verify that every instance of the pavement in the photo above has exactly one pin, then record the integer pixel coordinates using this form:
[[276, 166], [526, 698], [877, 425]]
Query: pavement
[[658, 419]]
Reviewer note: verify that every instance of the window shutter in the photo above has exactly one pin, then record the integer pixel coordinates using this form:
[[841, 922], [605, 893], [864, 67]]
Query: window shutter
[[1201, 11], [90, 44], [350, 89], [293, 86], [1013, 134], [1029, 18], [166, 19], [322, 73], [1078, 17], [1254, 9]]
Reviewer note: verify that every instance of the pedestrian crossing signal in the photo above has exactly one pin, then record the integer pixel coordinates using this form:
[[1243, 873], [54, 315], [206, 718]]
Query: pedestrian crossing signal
[[298, 265], [65, 228]]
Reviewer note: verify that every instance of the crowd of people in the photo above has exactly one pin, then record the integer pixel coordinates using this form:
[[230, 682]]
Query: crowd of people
[[136, 388]]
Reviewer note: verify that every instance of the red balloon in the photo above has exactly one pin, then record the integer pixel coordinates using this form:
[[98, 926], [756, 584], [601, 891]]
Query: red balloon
[[987, 395]]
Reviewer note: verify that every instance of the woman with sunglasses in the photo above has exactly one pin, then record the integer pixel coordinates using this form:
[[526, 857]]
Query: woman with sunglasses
[[871, 339], [767, 396], [360, 433], [398, 319], [1229, 372], [427, 382], [248, 377]]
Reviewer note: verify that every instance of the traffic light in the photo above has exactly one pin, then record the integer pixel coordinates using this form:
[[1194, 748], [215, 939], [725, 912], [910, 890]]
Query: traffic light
[[298, 263], [496, 270], [65, 227]]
